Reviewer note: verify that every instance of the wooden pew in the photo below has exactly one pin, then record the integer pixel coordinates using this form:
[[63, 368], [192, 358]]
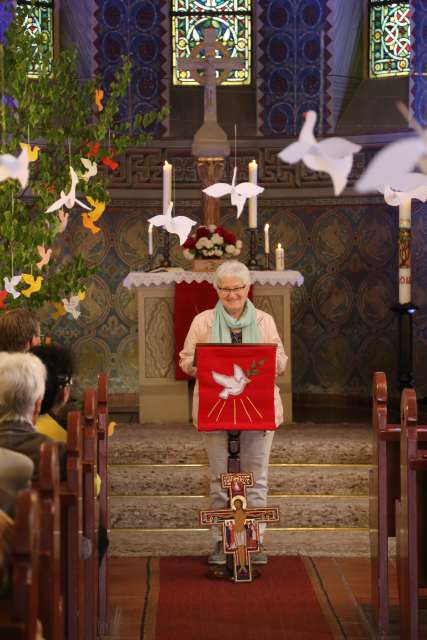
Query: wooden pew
[[103, 420], [90, 514], [384, 489], [411, 517], [72, 532], [18, 614], [51, 611]]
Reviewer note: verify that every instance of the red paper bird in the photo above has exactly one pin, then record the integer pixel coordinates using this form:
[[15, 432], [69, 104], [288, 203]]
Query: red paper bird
[[3, 296], [93, 149], [109, 162]]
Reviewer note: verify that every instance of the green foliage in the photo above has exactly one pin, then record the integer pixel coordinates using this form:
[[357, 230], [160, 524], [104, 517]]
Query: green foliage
[[56, 111]]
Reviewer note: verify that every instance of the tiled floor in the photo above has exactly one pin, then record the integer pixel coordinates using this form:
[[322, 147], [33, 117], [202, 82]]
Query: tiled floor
[[345, 583]]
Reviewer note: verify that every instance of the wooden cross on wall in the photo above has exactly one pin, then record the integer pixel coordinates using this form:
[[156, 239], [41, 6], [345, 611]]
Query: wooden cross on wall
[[240, 524]]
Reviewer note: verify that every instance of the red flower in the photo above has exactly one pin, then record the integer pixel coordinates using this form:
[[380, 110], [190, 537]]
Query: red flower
[[229, 238], [190, 242], [202, 232]]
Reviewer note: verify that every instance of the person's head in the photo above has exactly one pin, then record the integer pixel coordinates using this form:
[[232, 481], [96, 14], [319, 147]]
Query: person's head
[[59, 363], [22, 386], [19, 330], [238, 503], [232, 281]]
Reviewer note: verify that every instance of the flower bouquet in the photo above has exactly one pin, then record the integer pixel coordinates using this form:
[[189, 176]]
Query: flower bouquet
[[210, 243]]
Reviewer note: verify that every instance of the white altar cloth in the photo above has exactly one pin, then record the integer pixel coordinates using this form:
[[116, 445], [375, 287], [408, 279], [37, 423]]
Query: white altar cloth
[[148, 279]]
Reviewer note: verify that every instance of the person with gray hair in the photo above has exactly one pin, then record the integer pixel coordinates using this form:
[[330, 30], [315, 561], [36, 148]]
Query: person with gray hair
[[22, 387], [235, 320]]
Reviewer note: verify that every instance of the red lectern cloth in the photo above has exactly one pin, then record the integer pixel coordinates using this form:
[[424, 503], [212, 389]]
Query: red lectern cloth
[[190, 299], [236, 386]]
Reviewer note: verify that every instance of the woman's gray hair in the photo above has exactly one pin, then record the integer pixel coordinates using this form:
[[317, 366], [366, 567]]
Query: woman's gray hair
[[231, 269], [22, 383]]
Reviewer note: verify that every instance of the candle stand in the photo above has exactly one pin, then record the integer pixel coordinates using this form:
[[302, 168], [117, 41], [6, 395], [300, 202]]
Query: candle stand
[[266, 261], [405, 313], [149, 266], [252, 263], [165, 250]]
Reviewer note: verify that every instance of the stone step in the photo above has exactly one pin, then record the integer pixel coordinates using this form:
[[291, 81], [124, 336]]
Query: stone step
[[194, 479], [163, 512], [197, 542], [297, 444]]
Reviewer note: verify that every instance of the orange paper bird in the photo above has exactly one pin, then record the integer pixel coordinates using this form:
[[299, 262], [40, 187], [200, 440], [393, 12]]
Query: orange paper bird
[[60, 311], [44, 255], [99, 94], [3, 296], [109, 162], [33, 153], [34, 284], [89, 224], [94, 215], [63, 219]]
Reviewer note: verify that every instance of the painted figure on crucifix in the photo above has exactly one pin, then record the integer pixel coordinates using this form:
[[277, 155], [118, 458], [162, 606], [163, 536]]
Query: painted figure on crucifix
[[236, 538]]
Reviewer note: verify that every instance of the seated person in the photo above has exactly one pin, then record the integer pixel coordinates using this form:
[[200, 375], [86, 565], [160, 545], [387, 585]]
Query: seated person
[[15, 474], [19, 330], [59, 363], [22, 387]]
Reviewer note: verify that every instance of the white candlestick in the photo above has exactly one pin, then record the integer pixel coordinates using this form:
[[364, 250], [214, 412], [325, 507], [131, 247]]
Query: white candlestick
[[266, 238], [405, 251], [253, 202], [167, 186], [280, 258], [150, 239]]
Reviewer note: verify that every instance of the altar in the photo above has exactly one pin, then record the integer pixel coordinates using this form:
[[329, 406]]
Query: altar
[[162, 398]]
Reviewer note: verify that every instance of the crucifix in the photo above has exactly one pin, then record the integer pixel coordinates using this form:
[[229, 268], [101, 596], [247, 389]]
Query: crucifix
[[240, 524], [210, 143]]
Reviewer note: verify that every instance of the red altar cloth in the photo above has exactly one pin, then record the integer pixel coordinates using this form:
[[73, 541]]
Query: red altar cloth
[[190, 299]]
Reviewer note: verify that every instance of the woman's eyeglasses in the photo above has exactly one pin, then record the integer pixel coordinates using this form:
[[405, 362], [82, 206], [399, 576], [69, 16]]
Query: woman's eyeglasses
[[235, 290]]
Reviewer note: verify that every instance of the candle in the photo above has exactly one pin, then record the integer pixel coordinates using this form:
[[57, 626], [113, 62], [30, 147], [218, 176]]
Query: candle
[[150, 239], [253, 177], [167, 186], [266, 239], [280, 258], [405, 251]]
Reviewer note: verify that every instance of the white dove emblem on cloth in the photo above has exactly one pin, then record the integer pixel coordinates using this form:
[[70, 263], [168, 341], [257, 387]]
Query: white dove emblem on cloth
[[239, 192], [181, 225], [15, 168], [333, 155], [233, 385], [68, 199]]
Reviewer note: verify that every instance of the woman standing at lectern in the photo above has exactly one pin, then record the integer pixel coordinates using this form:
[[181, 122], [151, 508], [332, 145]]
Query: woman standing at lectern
[[235, 320]]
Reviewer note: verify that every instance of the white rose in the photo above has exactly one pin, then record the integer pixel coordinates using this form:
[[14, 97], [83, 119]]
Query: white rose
[[209, 244], [237, 252], [239, 244], [217, 239], [218, 252], [199, 243], [212, 227], [229, 248]]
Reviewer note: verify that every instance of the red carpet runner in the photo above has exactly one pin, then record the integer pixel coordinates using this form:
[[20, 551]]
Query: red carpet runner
[[286, 603]]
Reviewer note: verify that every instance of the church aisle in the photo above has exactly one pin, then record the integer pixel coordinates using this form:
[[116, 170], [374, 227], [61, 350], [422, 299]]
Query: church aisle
[[342, 589]]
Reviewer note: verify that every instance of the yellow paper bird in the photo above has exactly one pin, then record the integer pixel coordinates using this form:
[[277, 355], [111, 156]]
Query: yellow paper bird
[[99, 94], [111, 427], [34, 284], [98, 208], [33, 153], [60, 311], [82, 295], [89, 224]]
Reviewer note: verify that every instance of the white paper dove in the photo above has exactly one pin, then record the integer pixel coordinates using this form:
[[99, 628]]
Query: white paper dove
[[233, 385], [69, 199], [71, 305], [181, 225], [239, 192], [15, 168], [91, 169], [11, 283], [413, 186], [392, 164], [333, 156]]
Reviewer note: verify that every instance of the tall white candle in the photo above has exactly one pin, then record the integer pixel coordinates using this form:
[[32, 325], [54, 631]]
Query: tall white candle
[[405, 251], [253, 202], [266, 238], [150, 239], [280, 258], [167, 186]]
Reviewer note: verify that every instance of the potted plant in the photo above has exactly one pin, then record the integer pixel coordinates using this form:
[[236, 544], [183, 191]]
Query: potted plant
[[210, 245]]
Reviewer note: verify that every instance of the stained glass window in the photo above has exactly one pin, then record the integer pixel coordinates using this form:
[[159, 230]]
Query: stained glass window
[[389, 37], [232, 20], [37, 19]]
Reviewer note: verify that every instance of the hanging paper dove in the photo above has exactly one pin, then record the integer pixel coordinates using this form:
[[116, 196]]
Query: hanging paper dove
[[33, 152], [34, 284], [90, 218], [10, 284], [44, 255], [3, 296], [63, 219], [68, 199], [91, 169], [239, 192], [333, 155], [60, 311], [71, 306], [392, 164], [15, 168], [99, 94], [413, 186], [181, 225]]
